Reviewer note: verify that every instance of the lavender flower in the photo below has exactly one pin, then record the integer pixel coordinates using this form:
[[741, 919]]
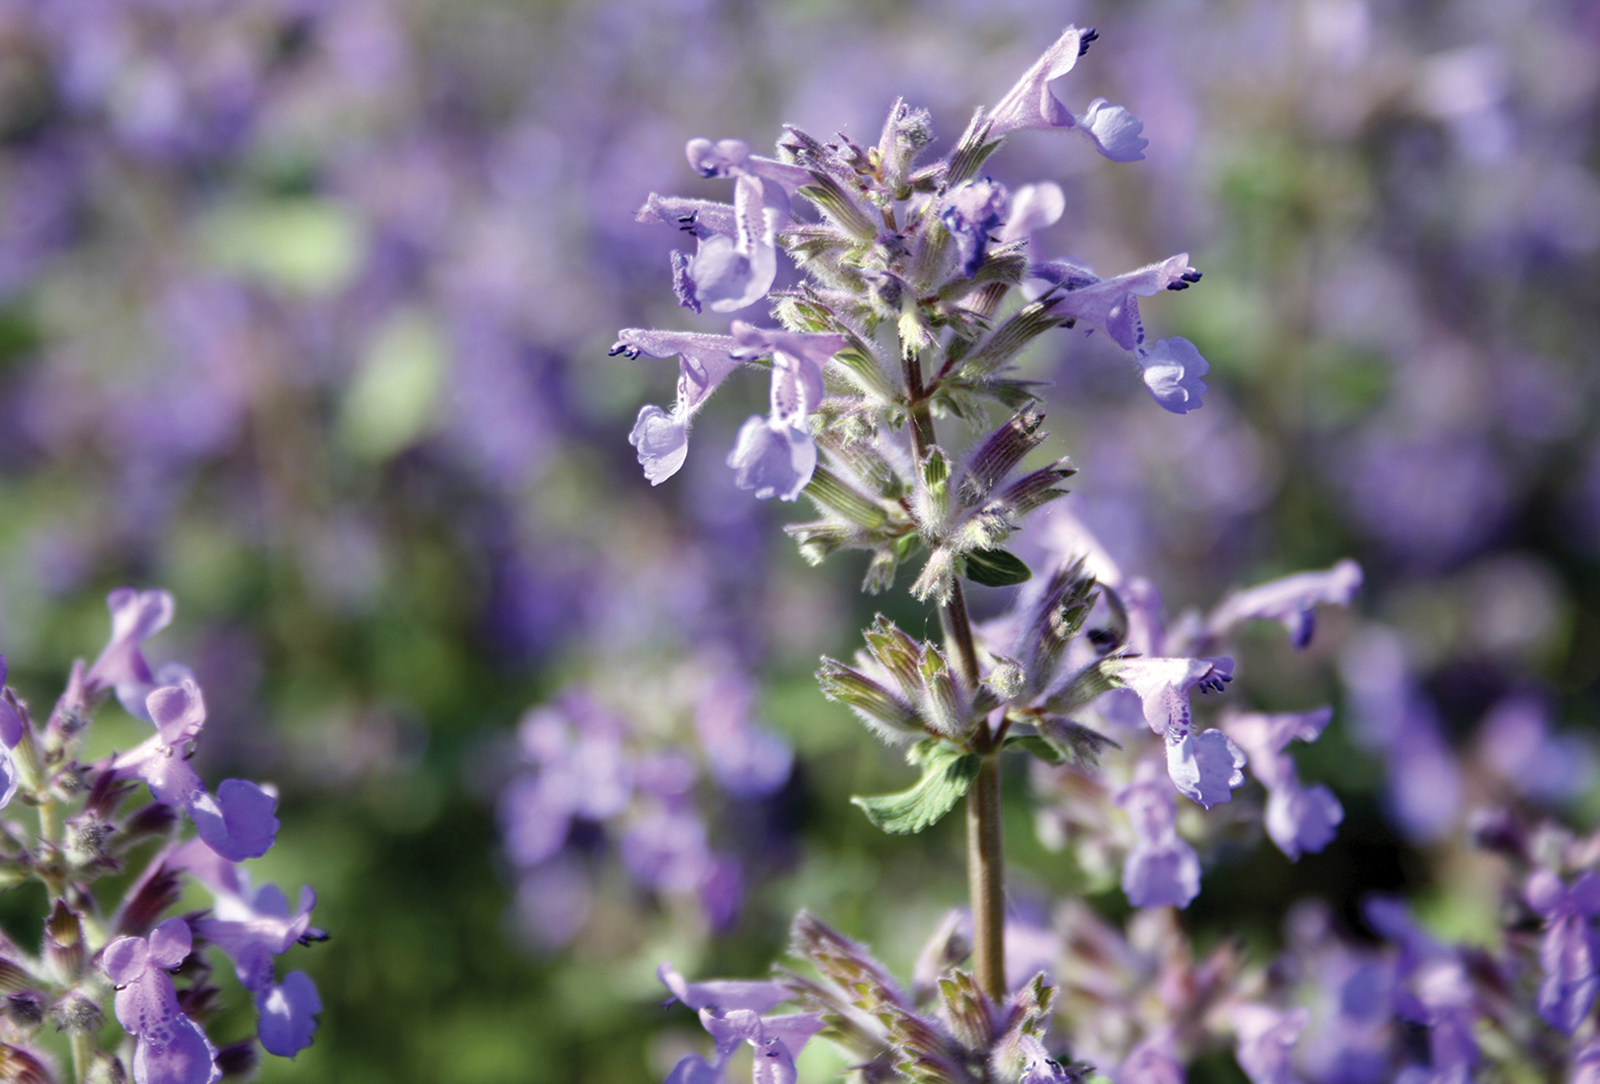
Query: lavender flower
[[1265, 1038], [1291, 600], [238, 821], [1570, 952], [1204, 767], [1030, 104], [252, 926], [1161, 870], [169, 1047], [135, 617], [703, 361], [1300, 820]]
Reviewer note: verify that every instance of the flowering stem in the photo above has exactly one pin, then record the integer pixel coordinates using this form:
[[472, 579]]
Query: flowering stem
[[986, 880], [986, 866]]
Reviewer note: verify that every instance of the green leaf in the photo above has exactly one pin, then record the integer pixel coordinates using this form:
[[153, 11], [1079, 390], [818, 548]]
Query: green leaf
[[946, 775], [1038, 746], [996, 568]]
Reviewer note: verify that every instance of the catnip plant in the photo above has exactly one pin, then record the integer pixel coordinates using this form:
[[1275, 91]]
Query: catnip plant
[[126, 954], [903, 320], [920, 287]]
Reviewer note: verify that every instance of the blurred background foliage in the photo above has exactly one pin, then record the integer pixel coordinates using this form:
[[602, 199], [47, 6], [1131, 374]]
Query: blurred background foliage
[[304, 310]]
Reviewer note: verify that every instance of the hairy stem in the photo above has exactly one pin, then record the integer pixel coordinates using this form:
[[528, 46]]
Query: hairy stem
[[986, 864], [986, 880], [921, 416], [958, 631]]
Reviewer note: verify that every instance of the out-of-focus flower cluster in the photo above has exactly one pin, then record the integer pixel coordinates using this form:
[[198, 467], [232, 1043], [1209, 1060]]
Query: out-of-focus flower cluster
[[97, 942], [602, 777]]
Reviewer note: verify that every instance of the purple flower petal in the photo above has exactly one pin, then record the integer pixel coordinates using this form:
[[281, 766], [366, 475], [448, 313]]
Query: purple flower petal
[[135, 617], [1172, 372], [1029, 104], [663, 442], [1114, 130], [1289, 600], [239, 822], [1161, 869], [286, 1015], [1033, 207], [179, 711], [1302, 820], [1265, 1038], [771, 459], [725, 994], [969, 213], [1205, 767]]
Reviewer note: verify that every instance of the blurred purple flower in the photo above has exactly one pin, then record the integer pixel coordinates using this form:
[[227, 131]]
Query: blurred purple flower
[[1570, 952], [1161, 870], [745, 761], [970, 212], [1266, 1036], [1300, 820], [135, 617], [1291, 600]]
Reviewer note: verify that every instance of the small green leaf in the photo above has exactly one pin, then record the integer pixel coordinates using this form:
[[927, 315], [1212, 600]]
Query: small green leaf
[[1038, 746], [946, 775], [996, 568]]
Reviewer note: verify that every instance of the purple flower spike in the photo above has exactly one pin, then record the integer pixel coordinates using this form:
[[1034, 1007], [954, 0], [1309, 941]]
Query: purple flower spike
[[1290, 600], [1265, 1038], [135, 617], [287, 1015], [170, 1048], [1570, 951], [1114, 130], [1029, 104], [970, 212], [703, 361], [237, 823], [1162, 870], [1172, 372]]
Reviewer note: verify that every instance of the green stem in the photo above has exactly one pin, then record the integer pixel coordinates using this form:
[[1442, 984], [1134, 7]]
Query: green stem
[[82, 1055], [986, 865], [916, 399], [958, 631], [986, 880]]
